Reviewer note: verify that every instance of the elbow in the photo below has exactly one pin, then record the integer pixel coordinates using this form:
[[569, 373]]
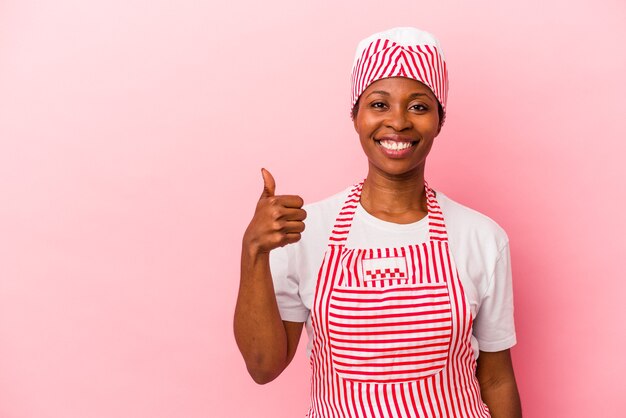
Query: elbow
[[261, 377], [263, 371]]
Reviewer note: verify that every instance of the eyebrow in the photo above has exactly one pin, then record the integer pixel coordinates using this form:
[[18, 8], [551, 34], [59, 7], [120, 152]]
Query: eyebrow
[[412, 96], [383, 92]]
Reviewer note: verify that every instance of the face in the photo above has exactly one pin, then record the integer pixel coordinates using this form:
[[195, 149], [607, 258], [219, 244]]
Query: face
[[397, 122]]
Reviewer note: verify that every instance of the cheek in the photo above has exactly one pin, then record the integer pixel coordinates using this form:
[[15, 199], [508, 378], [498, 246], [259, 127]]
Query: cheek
[[365, 126], [429, 127]]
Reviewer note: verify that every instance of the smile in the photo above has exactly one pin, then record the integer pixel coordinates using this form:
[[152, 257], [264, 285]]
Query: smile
[[395, 145]]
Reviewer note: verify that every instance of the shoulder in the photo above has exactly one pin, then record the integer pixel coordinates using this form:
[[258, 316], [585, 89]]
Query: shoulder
[[328, 207], [319, 222], [321, 215], [468, 226]]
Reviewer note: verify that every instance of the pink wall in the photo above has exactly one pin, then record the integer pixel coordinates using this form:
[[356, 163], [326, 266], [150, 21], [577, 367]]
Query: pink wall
[[131, 138]]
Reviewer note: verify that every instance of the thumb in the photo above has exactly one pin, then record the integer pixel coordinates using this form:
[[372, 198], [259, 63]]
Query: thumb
[[269, 185]]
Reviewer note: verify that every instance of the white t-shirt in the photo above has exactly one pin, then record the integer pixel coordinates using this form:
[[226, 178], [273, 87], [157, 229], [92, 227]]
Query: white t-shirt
[[479, 246]]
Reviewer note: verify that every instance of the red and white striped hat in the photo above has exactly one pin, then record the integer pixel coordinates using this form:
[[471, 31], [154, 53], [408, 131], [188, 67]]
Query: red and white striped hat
[[400, 52]]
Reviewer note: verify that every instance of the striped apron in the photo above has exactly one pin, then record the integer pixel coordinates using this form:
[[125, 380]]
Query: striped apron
[[392, 328]]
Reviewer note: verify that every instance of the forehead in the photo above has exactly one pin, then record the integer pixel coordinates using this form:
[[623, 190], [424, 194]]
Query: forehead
[[398, 86]]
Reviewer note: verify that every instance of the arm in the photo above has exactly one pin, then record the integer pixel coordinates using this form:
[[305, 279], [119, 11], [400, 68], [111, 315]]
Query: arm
[[267, 344], [497, 384]]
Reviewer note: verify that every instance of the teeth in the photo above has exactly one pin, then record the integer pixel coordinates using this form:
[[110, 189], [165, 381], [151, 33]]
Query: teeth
[[393, 145]]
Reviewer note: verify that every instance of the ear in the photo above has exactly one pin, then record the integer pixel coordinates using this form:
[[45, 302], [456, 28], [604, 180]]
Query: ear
[[354, 115]]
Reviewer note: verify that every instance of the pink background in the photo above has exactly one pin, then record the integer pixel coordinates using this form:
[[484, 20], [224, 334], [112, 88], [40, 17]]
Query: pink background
[[131, 138]]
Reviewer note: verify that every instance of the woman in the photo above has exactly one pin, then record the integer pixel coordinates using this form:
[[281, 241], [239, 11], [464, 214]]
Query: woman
[[406, 294]]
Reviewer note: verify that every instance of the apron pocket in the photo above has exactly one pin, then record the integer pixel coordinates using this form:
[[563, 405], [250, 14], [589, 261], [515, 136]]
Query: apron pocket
[[391, 334]]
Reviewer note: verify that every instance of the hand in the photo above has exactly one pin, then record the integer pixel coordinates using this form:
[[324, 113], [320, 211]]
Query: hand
[[277, 220]]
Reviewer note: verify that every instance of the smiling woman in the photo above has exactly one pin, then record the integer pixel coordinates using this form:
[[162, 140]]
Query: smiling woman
[[397, 125], [410, 312]]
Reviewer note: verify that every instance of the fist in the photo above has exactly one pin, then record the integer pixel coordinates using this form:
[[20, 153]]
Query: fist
[[277, 220]]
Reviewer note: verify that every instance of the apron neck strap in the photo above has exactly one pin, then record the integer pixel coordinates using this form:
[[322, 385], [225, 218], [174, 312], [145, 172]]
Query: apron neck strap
[[436, 225], [343, 222]]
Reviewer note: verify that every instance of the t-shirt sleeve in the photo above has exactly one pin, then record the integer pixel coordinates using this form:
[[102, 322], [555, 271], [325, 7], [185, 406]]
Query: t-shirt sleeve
[[494, 326], [286, 285]]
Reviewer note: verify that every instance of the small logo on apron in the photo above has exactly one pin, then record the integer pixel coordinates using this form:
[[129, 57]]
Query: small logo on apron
[[386, 268]]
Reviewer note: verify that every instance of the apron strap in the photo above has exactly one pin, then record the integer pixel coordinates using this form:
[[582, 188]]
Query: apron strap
[[436, 225], [343, 222]]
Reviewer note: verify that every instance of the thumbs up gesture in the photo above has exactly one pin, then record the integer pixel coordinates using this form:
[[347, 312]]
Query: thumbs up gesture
[[277, 221]]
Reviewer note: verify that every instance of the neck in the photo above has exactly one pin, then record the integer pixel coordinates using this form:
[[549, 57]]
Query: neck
[[395, 199]]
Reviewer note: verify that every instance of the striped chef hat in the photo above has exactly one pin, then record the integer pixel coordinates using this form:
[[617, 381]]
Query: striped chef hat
[[400, 52]]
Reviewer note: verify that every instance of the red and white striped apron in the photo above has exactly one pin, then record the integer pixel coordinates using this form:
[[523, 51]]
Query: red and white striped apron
[[392, 329]]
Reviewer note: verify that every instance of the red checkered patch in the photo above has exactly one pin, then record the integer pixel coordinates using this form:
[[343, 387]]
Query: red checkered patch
[[384, 268], [385, 274]]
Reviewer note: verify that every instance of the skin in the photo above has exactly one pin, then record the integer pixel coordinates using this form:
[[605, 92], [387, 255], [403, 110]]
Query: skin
[[267, 343], [398, 109], [497, 384], [389, 108]]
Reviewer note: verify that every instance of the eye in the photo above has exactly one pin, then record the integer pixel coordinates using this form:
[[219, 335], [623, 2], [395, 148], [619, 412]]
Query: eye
[[419, 107], [378, 105]]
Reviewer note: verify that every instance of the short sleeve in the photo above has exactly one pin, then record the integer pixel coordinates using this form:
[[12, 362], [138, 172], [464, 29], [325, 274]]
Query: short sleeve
[[494, 326], [286, 285]]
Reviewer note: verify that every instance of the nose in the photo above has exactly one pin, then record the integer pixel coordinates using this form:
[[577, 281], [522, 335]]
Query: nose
[[397, 119]]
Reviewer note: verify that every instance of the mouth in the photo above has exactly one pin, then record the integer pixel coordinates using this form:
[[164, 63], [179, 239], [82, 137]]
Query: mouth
[[396, 147]]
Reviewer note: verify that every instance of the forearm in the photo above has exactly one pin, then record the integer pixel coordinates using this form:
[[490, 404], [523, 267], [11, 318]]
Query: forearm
[[502, 398], [259, 330], [265, 341], [497, 384]]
